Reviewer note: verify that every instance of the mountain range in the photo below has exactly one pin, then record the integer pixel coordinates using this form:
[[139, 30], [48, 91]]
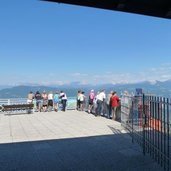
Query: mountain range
[[157, 88]]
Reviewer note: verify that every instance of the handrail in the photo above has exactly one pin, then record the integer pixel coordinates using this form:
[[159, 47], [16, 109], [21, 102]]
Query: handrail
[[71, 102], [13, 101]]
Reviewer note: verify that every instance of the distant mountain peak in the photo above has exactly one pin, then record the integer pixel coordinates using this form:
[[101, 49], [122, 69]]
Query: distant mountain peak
[[152, 82]]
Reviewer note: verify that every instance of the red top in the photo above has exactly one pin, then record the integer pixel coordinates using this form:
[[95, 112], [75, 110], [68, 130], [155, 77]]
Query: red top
[[114, 101]]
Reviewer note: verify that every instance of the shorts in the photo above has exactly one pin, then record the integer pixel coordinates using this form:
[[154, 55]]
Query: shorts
[[45, 103], [90, 101], [50, 102]]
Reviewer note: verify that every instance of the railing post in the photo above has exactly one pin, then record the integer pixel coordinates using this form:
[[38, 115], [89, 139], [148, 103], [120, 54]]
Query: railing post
[[168, 135], [8, 101], [144, 121], [132, 120]]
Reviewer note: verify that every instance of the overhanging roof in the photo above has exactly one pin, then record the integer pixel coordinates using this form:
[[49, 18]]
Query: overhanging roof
[[156, 8]]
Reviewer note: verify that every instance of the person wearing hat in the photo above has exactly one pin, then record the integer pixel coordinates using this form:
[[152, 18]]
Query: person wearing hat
[[91, 98]]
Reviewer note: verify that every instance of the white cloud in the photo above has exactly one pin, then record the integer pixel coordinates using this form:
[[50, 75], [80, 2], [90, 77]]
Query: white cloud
[[77, 74], [161, 73]]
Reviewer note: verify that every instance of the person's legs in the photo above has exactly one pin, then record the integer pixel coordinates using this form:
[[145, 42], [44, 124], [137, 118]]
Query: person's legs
[[64, 105], [113, 113], [98, 107], [108, 111], [101, 107], [49, 105], [56, 107], [90, 106], [78, 104], [81, 105]]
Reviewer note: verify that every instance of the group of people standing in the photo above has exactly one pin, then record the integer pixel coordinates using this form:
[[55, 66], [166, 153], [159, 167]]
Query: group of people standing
[[99, 103], [48, 101]]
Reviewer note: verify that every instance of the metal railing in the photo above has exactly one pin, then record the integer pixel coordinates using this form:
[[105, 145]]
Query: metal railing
[[13, 101], [148, 119], [71, 102]]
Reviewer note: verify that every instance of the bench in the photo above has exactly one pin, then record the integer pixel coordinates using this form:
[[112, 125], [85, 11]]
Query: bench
[[17, 108]]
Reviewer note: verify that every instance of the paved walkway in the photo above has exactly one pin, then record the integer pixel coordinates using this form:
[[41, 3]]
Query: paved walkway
[[68, 141]]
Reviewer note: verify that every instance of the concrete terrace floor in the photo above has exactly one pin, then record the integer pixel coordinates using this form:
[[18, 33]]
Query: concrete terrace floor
[[68, 141]]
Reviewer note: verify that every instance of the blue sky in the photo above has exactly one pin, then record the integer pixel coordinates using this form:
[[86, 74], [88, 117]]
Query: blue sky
[[50, 43]]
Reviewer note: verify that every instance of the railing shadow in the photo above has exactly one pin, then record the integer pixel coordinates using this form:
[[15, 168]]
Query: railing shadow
[[96, 153]]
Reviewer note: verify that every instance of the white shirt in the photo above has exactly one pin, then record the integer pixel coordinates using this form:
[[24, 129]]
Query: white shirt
[[50, 96], [101, 96], [64, 97], [82, 97]]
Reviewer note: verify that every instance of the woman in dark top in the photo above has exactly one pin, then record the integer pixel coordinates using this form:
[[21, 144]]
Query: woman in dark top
[[38, 98]]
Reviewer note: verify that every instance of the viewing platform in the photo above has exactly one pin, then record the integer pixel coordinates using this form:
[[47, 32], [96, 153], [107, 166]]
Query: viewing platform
[[68, 141]]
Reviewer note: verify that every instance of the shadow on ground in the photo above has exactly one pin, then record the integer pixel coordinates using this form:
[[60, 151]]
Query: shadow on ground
[[97, 153]]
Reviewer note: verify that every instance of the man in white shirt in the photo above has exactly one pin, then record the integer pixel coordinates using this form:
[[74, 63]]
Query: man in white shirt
[[63, 100], [100, 98], [50, 101]]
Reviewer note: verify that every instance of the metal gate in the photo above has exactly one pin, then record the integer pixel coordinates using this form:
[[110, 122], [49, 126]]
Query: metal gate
[[148, 119]]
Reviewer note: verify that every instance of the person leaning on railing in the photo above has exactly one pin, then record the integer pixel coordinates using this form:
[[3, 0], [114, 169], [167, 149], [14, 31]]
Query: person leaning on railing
[[38, 98], [45, 101], [50, 101], [56, 101], [114, 100], [90, 101], [63, 98]]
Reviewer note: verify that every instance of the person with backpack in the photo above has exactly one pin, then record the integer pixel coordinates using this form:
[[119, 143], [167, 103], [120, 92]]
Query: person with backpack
[[63, 98], [38, 98], [82, 101], [90, 101]]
